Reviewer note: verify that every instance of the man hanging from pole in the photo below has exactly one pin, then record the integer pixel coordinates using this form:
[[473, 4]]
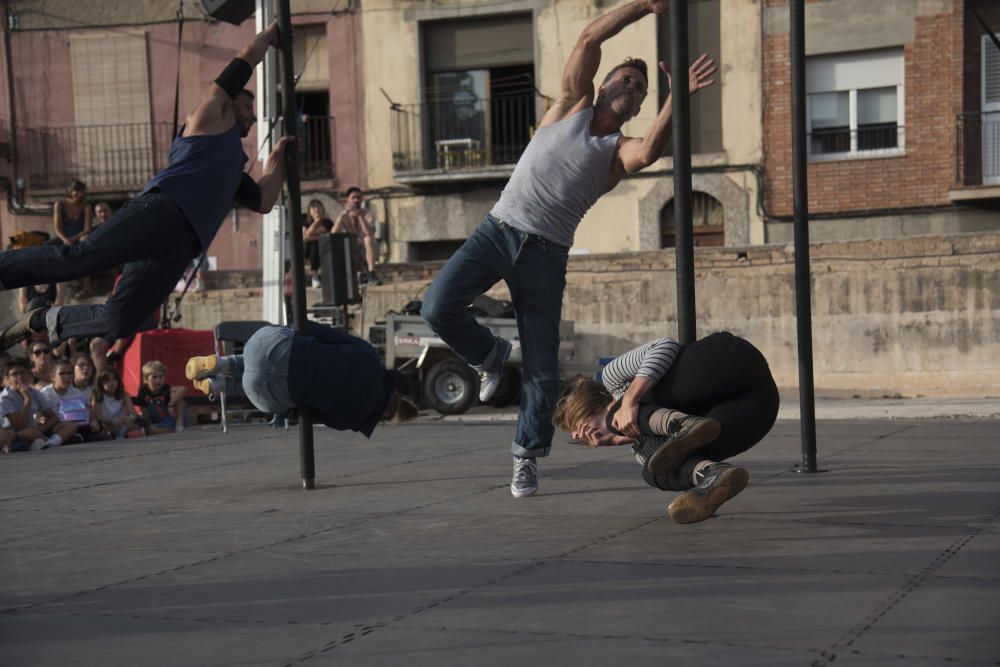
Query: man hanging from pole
[[577, 154], [158, 233]]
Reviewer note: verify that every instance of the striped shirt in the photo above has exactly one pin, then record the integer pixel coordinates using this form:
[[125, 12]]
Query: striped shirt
[[651, 360]]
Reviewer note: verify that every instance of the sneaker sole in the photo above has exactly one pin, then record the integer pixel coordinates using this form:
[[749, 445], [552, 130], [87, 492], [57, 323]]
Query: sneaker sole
[[523, 493], [198, 368], [674, 453], [691, 508]]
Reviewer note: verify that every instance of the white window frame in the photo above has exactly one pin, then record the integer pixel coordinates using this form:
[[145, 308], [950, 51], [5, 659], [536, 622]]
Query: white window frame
[[854, 152]]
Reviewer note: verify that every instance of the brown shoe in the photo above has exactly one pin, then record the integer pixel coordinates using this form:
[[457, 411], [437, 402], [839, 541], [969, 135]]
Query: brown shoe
[[719, 482], [20, 330], [690, 435]]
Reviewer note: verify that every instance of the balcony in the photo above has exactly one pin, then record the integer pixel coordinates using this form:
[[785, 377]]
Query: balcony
[[122, 158], [877, 140], [440, 140], [977, 157]]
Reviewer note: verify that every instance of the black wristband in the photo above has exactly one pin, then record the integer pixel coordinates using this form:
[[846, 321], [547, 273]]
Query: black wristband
[[234, 78]]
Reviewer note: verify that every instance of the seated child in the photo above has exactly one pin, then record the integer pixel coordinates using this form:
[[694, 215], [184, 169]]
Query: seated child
[[24, 410], [72, 404], [161, 404], [113, 408]]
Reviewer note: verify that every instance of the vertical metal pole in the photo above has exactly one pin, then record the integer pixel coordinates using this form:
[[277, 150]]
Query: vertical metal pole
[[681, 116], [287, 72], [803, 295], [273, 225]]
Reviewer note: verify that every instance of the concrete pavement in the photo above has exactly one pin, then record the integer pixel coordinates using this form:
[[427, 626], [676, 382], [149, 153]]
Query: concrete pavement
[[200, 549]]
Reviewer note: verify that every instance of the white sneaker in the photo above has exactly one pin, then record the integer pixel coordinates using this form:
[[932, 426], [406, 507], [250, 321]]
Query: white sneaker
[[39, 444], [524, 483], [316, 283], [492, 369]]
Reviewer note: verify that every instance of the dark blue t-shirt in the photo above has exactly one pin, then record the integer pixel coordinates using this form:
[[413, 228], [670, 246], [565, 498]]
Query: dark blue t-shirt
[[202, 177]]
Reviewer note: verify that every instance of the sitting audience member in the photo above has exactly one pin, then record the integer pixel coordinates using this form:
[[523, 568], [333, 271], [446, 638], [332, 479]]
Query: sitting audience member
[[42, 363], [83, 374], [315, 225], [358, 220], [40, 296], [102, 213], [73, 404], [113, 408], [161, 404], [23, 409], [72, 221]]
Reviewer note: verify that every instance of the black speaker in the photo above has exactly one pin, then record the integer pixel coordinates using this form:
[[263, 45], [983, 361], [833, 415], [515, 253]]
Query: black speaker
[[230, 11], [338, 274]]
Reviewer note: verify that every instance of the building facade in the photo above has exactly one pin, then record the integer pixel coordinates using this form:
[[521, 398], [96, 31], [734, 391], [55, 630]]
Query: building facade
[[900, 95]]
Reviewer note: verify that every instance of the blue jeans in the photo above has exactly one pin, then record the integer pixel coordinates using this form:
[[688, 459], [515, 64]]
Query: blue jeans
[[535, 271], [261, 372], [149, 235]]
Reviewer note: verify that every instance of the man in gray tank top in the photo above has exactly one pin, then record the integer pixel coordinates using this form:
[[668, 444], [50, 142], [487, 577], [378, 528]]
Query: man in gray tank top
[[576, 155]]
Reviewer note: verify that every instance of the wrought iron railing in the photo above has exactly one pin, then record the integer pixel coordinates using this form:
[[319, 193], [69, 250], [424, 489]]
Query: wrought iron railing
[[126, 156], [438, 134], [977, 154], [103, 156], [873, 139], [318, 147]]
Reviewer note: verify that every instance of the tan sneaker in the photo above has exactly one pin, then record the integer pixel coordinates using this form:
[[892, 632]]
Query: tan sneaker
[[686, 437], [718, 483]]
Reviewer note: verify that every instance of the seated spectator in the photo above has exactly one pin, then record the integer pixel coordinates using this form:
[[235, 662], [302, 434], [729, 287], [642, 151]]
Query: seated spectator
[[113, 408], [23, 409], [358, 220], [72, 404], [72, 221], [83, 374], [316, 224], [42, 363], [102, 213], [162, 405]]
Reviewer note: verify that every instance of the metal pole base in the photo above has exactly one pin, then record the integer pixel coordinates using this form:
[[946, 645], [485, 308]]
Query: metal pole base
[[798, 467], [308, 484]]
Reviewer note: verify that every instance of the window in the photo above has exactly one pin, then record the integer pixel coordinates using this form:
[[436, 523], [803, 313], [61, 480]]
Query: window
[[706, 107], [708, 222], [479, 79], [855, 104]]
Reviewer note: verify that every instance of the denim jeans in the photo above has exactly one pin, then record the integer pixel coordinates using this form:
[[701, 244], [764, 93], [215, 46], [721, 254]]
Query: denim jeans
[[261, 372], [535, 271], [149, 235]]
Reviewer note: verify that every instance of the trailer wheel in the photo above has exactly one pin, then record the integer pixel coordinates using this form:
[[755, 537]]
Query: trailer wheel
[[451, 387], [509, 390]]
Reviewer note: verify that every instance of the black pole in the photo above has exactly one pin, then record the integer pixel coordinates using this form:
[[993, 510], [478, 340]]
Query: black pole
[[681, 100], [287, 73], [803, 297]]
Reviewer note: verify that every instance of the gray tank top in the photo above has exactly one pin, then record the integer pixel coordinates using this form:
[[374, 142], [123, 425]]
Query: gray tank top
[[560, 175]]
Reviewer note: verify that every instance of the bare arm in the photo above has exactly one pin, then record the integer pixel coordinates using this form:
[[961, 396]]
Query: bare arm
[[22, 298], [57, 224], [581, 68], [214, 114], [88, 220], [636, 154], [59, 295]]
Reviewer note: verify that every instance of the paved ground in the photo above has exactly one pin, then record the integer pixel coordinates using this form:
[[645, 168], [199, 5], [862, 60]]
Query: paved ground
[[200, 549]]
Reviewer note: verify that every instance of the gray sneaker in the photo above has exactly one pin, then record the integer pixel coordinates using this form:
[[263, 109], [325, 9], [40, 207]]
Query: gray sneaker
[[525, 480], [717, 483], [492, 369]]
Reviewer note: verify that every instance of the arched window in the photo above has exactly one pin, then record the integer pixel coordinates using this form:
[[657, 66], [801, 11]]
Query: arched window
[[708, 220]]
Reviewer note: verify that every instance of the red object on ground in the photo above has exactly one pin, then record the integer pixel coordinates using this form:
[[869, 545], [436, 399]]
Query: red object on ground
[[171, 346]]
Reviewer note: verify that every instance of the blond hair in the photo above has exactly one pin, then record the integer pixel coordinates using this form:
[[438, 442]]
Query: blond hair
[[585, 399], [153, 366]]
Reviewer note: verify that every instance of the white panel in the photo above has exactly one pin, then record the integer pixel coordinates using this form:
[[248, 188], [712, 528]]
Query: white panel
[[991, 74], [863, 69]]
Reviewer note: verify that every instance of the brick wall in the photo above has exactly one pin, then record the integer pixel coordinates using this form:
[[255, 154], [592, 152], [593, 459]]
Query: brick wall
[[922, 177]]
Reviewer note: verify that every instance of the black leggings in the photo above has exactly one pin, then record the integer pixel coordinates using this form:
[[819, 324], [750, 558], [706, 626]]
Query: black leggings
[[723, 377]]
